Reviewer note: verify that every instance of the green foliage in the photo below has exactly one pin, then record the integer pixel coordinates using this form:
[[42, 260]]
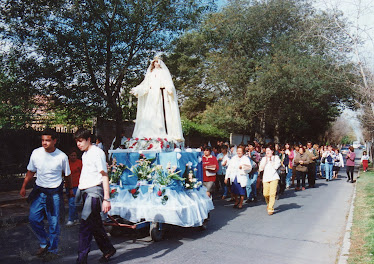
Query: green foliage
[[17, 96], [261, 67], [91, 52], [346, 140], [362, 236], [191, 128]]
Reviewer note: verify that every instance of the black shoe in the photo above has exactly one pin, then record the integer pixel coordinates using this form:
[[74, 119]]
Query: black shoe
[[348, 180], [327, 179], [106, 257], [352, 181], [248, 201]]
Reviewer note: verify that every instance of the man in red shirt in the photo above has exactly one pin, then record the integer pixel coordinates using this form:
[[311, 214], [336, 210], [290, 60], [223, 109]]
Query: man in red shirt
[[210, 168]]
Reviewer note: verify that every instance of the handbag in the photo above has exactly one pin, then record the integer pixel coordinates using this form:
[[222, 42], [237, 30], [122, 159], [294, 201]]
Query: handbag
[[281, 170]]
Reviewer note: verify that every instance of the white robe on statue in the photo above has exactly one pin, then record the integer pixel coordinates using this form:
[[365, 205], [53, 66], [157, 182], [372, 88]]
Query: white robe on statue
[[150, 121]]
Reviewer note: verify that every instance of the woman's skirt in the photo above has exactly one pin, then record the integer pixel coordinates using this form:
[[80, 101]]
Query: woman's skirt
[[236, 188]]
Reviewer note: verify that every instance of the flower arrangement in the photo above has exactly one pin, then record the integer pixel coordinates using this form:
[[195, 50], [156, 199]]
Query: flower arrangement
[[165, 178], [190, 181], [143, 168], [115, 171], [148, 144]]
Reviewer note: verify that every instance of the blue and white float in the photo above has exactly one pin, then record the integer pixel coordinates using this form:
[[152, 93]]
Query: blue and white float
[[154, 180]]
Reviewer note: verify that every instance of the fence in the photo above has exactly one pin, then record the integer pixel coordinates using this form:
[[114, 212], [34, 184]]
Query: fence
[[16, 147]]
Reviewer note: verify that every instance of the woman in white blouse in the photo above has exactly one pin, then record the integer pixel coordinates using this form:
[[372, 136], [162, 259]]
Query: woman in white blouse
[[269, 165], [237, 171]]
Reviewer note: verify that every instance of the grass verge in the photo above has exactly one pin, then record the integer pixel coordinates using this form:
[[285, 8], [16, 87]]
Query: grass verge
[[362, 235]]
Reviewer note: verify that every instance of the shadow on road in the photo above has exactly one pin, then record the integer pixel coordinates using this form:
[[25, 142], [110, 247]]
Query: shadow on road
[[285, 207]]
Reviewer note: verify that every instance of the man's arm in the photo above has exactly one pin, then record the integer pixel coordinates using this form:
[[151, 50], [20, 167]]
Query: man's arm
[[68, 185], [106, 203], [29, 176]]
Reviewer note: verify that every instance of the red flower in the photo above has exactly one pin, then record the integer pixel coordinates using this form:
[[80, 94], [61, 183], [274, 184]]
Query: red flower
[[128, 139], [130, 147], [159, 139], [136, 139], [168, 146], [166, 139], [113, 191], [150, 146], [133, 191], [159, 193]]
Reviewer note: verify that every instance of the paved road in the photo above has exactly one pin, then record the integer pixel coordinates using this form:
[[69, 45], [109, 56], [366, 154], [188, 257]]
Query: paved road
[[307, 227]]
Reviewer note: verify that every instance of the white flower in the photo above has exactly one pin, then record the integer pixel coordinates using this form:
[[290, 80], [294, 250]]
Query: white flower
[[187, 185], [189, 164], [194, 180]]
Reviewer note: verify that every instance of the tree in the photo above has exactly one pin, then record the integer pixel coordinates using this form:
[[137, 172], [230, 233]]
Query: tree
[[265, 67], [17, 96], [89, 52]]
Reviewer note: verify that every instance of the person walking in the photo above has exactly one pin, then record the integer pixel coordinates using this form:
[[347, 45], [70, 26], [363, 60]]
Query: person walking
[[254, 157], [237, 172], [269, 165], [322, 154], [222, 159], [329, 162], [224, 164], [301, 162], [210, 168], [283, 173], [71, 184], [313, 155], [365, 161], [291, 154], [93, 195], [350, 163], [338, 163], [49, 164], [295, 151]]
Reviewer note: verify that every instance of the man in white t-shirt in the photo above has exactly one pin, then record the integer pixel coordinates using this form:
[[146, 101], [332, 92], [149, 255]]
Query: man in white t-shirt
[[49, 164], [93, 193]]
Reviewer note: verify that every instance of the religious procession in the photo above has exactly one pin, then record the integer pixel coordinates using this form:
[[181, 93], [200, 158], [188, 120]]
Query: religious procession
[[184, 132]]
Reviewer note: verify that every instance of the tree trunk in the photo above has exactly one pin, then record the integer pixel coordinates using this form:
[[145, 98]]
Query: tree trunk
[[276, 132], [119, 121]]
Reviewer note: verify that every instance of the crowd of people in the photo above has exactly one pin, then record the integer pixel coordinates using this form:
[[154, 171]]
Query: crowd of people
[[237, 172], [244, 171]]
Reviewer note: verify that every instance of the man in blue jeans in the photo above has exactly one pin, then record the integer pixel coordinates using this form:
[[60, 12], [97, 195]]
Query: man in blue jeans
[[49, 164], [93, 195], [253, 175]]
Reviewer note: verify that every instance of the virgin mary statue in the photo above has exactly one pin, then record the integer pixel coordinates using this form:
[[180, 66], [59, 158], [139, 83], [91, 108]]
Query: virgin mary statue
[[157, 113]]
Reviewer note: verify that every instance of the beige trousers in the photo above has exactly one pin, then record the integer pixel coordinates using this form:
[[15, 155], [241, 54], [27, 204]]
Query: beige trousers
[[270, 191]]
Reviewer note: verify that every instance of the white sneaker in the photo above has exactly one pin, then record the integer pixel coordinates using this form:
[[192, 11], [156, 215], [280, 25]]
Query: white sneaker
[[70, 223]]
